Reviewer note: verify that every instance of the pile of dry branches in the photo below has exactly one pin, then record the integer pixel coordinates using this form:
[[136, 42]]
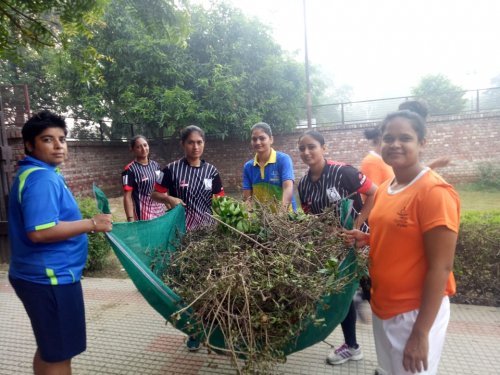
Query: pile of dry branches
[[260, 287]]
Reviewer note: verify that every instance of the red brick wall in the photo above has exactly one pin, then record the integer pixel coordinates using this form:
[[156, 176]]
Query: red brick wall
[[468, 140]]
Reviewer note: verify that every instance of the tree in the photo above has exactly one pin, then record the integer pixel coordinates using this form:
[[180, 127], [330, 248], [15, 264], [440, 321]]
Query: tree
[[43, 23], [440, 94], [241, 74], [228, 74]]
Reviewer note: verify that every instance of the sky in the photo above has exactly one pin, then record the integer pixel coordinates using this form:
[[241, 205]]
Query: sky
[[382, 48]]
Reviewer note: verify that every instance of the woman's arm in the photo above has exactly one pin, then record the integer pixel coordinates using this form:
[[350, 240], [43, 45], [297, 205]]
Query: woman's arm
[[247, 195], [355, 237], [128, 205], [441, 162], [367, 207], [286, 199], [67, 229], [166, 199], [439, 247]]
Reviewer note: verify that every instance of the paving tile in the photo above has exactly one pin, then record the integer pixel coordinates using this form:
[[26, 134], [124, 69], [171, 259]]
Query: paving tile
[[126, 336]]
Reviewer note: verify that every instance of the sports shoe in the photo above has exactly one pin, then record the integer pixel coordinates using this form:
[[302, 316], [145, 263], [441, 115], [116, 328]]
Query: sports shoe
[[193, 344], [379, 371], [343, 354]]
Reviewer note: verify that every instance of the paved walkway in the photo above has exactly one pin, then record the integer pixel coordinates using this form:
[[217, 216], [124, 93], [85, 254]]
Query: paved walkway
[[126, 336]]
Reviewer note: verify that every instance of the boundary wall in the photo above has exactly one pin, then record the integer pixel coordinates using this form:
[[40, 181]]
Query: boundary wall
[[468, 139]]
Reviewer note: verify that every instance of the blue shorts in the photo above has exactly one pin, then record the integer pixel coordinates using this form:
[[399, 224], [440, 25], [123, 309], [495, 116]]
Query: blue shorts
[[57, 315]]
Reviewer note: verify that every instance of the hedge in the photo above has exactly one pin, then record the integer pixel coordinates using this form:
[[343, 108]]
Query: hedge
[[477, 265], [99, 248]]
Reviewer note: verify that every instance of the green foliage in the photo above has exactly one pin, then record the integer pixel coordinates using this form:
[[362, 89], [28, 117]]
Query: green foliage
[[477, 265], [98, 246], [440, 94], [136, 70], [489, 176], [44, 23], [235, 214]]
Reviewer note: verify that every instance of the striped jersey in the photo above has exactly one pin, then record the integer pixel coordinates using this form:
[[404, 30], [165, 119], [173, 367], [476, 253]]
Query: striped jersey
[[140, 179], [337, 181], [195, 186]]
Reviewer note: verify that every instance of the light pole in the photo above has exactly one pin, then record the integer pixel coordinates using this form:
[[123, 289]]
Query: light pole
[[308, 84]]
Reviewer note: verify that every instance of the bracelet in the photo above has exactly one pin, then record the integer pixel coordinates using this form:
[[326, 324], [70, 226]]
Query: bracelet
[[129, 217], [95, 226]]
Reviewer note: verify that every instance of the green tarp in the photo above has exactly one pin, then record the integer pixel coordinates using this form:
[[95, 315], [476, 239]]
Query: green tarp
[[144, 248]]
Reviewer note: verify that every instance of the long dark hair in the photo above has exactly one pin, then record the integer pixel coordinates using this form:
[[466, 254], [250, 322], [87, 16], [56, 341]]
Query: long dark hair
[[186, 132]]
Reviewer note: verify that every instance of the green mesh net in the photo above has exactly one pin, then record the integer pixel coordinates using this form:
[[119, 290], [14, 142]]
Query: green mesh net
[[140, 247]]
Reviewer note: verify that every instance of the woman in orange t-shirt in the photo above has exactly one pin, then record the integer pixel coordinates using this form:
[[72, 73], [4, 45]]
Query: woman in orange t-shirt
[[373, 166], [413, 232]]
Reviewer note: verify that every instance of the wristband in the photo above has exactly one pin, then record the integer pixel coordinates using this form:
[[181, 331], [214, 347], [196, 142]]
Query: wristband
[[95, 226]]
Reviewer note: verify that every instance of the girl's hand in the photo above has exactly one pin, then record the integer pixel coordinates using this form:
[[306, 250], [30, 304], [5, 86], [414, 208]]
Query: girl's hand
[[102, 222], [415, 353], [356, 238], [173, 201]]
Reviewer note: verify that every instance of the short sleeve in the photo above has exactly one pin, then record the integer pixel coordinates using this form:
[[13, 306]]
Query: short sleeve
[[440, 207], [247, 180], [287, 168], [217, 184], [40, 201], [354, 180], [128, 180], [164, 181]]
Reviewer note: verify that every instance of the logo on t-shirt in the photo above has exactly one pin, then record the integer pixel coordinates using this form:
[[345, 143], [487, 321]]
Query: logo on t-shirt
[[274, 177], [402, 218], [208, 183], [332, 194]]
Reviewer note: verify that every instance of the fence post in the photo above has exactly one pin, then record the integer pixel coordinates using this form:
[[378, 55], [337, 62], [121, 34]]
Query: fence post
[[100, 130], [342, 112], [477, 101]]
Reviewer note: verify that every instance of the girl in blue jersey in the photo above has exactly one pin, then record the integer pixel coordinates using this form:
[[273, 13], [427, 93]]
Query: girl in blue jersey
[[269, 175], [49, 246]]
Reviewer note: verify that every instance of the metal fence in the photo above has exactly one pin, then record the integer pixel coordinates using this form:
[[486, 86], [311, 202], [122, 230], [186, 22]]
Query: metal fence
[[16, 110], [479, 100]]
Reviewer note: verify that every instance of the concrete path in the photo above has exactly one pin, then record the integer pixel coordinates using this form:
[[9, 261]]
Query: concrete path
[[126, 336]]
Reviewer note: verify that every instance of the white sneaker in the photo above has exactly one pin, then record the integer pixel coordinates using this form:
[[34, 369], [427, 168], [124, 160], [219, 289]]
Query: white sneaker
[[344, 354]]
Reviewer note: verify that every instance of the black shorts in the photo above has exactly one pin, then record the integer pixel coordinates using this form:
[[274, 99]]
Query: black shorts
[[57, 315]]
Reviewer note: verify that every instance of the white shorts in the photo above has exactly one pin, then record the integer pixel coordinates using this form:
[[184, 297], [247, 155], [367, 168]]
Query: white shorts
[[392, 334]]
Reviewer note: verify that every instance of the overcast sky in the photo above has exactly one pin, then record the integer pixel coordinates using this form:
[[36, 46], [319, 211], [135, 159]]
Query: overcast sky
[[382, 48]]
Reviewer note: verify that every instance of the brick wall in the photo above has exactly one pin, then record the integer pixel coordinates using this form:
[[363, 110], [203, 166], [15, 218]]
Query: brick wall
[[468, 140]]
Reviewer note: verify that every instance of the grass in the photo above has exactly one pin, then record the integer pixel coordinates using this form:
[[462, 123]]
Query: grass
[[473, 199]]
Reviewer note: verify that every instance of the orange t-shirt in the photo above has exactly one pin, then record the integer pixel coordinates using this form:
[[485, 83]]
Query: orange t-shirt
[[398, 221], [375, 169]]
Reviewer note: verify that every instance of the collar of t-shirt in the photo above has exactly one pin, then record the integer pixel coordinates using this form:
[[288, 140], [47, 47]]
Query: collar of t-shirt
[[328, 164], [185, 161], [272, 158], [30, 160]]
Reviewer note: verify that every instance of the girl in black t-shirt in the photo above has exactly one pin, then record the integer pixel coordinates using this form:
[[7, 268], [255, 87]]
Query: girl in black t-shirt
[[325, 184]]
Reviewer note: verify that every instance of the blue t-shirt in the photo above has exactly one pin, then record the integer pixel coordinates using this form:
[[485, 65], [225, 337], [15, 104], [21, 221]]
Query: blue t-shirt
[[267, 183], [39, 199]]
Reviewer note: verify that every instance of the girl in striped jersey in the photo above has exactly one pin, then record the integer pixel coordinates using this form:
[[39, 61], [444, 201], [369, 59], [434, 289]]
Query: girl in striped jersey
[[324, 185], [138, 179], [190, 181]]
